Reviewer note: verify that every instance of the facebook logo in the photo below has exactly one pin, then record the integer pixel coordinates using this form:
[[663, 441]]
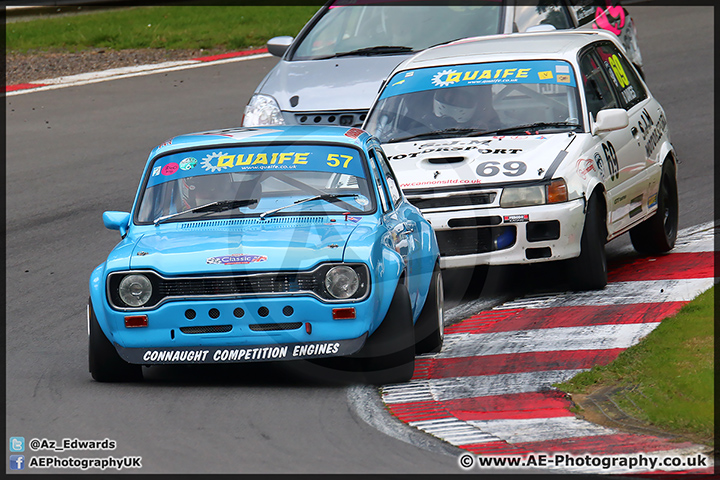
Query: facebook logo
[[17, 444], [17, 462]]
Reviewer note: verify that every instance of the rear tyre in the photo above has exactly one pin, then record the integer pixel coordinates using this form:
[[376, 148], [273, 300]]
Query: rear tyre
[[589, 270], [658, 233], [388, 356], [104, 362], [429, 328]]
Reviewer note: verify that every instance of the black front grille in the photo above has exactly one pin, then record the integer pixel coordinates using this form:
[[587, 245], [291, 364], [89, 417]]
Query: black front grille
[[353, 118], [270, 327], [207, 329], [468, 241], [471, 199], [256, 284]]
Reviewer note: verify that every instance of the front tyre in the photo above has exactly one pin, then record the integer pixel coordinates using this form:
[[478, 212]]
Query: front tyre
[[388, 356], [429, 328], [103, 360], [589, 270], [658, 233]]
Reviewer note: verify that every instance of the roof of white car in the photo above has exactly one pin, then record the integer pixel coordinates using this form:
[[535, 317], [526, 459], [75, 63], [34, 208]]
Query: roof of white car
[[556, 44]]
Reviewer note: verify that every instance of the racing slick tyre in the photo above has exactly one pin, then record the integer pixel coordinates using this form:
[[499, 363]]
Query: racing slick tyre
[[388, 356], [429, 328], [104, 362], [657, 234], [589, 270]]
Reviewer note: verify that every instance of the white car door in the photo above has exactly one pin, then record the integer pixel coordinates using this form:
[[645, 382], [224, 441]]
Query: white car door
[[617, 154]]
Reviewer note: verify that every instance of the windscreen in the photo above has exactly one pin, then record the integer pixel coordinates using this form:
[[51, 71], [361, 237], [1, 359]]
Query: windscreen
[[250, 180], [476, 98], [349, 27]]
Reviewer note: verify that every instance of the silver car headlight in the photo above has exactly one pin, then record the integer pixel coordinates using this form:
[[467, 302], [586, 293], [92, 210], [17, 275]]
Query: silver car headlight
[[135, 290], [262, 110], [342, 282], [553, 192]]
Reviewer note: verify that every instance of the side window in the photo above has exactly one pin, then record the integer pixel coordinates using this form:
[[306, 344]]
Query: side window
[[390, 179], [529, 16], [377, 179], [627, 84], [598, 92]]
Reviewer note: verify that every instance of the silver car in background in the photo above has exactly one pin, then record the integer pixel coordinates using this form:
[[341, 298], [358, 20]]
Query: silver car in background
[[331, 72]]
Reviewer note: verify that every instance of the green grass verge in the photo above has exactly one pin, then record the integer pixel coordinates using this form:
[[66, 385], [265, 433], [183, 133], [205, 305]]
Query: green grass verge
[[668, 376], [222, 28]]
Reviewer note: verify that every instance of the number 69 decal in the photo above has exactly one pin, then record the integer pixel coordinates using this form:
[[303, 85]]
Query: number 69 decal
[[510, 169]]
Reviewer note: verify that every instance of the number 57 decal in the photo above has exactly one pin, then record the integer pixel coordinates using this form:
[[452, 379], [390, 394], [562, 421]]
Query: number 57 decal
[[333, 160]]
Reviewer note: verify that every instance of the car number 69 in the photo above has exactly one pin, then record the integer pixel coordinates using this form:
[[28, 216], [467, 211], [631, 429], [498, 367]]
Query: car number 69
[[511, 169]]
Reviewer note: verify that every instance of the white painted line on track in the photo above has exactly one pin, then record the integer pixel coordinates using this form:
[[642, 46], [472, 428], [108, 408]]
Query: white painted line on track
[[619, 293], [592, 337], [455, 388], [454, 431], [540, 429], [127, 72]]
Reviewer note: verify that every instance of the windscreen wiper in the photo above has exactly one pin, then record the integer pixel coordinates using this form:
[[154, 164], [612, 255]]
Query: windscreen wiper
[[529, 126], [213, 207], [435, 133], [369, 51], [328, 197]]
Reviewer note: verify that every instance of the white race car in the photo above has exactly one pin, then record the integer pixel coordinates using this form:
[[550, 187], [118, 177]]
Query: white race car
[[531, 147]]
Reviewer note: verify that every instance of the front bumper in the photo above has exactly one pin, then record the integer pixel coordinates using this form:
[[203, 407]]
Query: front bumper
[[240, 330], [507, 236], [240, 354]]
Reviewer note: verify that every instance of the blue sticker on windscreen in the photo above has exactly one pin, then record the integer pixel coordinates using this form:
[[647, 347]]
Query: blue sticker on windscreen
[[530, 71], [285, 158]]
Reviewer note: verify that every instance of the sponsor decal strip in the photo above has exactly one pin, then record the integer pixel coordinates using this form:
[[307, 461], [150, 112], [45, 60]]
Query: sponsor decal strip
[[240, 354], [490, 391]]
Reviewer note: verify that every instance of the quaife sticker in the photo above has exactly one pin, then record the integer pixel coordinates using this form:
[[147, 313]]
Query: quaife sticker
[[530, 71], [283, 158], [236, 259]]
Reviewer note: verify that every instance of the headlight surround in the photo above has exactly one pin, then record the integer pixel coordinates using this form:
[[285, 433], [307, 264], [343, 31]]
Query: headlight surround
[[553, 192], [342, 282], [135, 290], [262, 110]]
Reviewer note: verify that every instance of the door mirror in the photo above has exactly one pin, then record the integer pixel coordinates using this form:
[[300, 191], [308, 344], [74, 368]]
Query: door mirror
[[117, 221], [278, 45], [610, 119]]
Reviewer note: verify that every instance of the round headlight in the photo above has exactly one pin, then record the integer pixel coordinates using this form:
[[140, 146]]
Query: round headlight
[[342, 282], [135, 290]]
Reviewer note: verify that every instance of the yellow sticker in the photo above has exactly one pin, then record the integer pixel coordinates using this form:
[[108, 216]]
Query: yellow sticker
[[563, 78], [545, 75]]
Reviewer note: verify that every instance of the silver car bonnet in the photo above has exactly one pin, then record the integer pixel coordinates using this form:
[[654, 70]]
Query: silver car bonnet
[[347, 83]]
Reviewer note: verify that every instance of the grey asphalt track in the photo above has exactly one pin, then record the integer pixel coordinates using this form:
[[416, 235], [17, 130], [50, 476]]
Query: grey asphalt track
[[75, 152]]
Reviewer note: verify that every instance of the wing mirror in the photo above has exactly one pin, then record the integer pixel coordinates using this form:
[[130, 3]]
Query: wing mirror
[[609, 120], [278, 45], [117, 221]]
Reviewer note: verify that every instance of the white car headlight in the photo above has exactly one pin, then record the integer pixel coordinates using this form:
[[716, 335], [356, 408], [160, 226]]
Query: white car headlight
[[522, 196], [342, 281], [135, 290], [262, 110], [554, 192]]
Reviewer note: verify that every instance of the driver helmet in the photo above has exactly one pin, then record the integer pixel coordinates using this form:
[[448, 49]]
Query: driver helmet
[[458, 103], [203, 189]]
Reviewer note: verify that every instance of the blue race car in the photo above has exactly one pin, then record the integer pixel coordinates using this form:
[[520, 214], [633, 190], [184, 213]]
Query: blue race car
[[267, 244]]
